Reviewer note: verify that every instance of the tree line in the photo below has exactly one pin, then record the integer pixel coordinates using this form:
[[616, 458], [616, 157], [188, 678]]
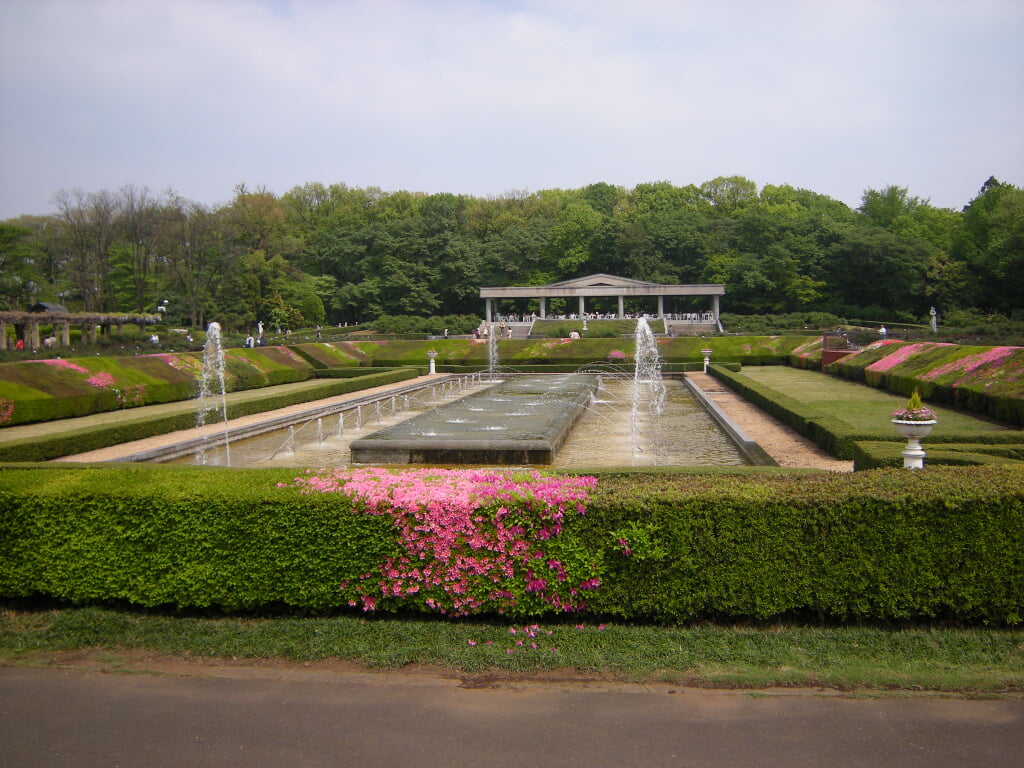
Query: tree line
[[337, 254]]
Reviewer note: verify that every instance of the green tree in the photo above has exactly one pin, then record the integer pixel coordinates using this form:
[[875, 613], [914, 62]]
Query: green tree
[[883, 207], [19, 275], [991, 243]]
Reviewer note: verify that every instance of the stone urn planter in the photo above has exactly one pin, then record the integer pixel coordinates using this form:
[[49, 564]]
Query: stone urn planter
[[914, 422], [913, 454]]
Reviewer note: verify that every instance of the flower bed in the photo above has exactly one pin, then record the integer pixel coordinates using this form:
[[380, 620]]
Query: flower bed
[[986, 380]]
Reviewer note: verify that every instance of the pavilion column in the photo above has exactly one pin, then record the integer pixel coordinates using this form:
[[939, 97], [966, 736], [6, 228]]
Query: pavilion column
[[714, 307], [487, 311], [582, 309], [543, 308], [3, 336], [65, 334], [33, 335], [661, 306], [622, 306]]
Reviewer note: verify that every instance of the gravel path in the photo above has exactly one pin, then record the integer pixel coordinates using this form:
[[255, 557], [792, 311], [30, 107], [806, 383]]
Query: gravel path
[[784, 445]]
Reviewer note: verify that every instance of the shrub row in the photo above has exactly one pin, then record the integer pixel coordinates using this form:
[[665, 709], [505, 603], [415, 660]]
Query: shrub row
[[45, 390], [137, 426], [875, 454], [940, 543], [839, 438], [355, 373]]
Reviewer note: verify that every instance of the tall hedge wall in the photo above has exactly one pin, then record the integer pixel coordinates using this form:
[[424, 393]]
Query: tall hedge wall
[[942, 543]]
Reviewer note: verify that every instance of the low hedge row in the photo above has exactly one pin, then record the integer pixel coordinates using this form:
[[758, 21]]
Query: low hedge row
[[874, 454], [355, 373], [137, 426], [46, 390], [839, 438], [941, 543]]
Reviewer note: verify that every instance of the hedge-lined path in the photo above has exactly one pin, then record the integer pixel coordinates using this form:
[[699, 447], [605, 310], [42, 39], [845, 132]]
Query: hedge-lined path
[[780, 442], [309, 716], [116, 452]]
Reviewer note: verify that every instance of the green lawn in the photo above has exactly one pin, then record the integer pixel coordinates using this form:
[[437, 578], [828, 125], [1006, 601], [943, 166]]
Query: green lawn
[[973, 661], [860, 406]]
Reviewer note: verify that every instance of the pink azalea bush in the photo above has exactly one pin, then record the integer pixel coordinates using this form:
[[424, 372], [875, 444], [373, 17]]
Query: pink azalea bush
[[469, 540]]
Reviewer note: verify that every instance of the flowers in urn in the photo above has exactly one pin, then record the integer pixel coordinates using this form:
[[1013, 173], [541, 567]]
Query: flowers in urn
[[914, 410]]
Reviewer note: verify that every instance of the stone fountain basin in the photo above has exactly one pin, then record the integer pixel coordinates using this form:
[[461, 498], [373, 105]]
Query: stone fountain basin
[[522, 420]]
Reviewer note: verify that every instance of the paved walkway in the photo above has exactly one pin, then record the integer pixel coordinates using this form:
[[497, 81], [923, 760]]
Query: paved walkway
[[305, 717], [115, 452], [783, 444]]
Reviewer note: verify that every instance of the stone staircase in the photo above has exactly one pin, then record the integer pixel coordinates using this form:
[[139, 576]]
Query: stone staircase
[[680, 328]]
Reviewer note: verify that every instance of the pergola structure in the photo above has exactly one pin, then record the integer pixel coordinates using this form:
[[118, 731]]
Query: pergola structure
[[28, 324], [602, 285]]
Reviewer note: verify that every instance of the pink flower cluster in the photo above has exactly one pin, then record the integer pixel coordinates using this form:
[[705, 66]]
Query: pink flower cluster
[[186, 363], [968, 365], [893, 359], [471, 539], [6, 410], [525, 638], [58, 363], [100, 380]]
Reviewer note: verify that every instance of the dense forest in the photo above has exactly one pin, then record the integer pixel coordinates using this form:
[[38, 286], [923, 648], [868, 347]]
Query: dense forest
[[336, 254]]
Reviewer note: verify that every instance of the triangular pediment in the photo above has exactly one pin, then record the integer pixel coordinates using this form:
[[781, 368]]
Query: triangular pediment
[[601, 280]]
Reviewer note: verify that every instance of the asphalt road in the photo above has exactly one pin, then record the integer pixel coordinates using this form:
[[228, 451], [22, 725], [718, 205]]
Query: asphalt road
[[54, 717]]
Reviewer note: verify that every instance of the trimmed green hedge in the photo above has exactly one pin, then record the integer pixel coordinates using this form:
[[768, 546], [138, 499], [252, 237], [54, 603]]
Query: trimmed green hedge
[[355, 373], [868, 454], [46, 390], [137, 426], [940, 543], [836, 436]]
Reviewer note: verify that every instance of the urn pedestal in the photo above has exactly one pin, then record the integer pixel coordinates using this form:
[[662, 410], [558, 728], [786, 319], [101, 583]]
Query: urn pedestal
[[913, 454]]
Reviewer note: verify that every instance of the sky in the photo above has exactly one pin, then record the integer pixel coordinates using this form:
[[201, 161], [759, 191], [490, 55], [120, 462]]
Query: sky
[[490, 97]]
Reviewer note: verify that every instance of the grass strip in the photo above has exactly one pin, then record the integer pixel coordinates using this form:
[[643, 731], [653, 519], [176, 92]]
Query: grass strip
[[863, 408], [975, 661]]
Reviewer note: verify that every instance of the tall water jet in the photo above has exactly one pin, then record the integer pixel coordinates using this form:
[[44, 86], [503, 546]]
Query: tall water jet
[[212, 389], [647, 384], [492, 353]]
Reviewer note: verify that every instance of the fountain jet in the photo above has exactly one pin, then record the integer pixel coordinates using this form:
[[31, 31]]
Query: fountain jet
[[212, 390]]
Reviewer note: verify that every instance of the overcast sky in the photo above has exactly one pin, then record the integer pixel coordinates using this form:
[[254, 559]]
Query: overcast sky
[[487, 96]]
